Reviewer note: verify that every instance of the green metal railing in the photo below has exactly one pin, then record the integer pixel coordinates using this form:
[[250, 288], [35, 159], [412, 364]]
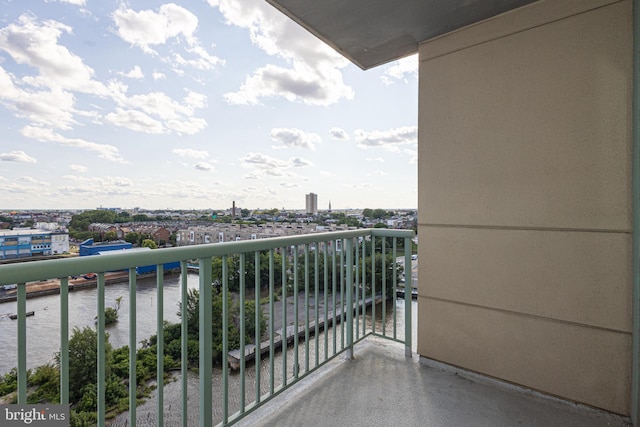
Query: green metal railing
[[348, 293]]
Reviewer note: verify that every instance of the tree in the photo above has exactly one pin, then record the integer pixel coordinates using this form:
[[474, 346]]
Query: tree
[[110, 236], [233, 266], [380, 214], [233, 319], [111, 313], [149, 243], [83, 367], [81, 221], [132, 237], [123, 217]]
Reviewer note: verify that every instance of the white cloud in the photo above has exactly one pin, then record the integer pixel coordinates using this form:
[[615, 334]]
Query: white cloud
[[23, 190], [289, 185], [158, 76], [105, 151], [175, 116], [203, 166], [391, 139], [375, 159], [98, 186], [267, 165], [147, 28], [299, 84], [190, 153], [295, 138], [158, 104], [32, 180], [413, 156], [380, 173], [53, 107], [401, 70], [314, 77], [36, 44], [17, 156], [134, 120], [203, 61], [135, 73], [299, 162], [78, 168], [190, 126], [339, 134], [74, 2]]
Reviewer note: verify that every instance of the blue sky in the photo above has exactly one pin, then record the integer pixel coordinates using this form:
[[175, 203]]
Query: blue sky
[[192, 105]]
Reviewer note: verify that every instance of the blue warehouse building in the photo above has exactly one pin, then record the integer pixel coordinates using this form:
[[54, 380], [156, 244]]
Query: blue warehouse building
[[89, 247]]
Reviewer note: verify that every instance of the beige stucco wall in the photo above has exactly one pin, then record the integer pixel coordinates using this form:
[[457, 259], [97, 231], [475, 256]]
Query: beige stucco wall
[[525, 199]]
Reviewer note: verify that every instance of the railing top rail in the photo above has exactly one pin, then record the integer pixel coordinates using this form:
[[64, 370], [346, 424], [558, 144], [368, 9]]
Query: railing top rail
[[47, 269]]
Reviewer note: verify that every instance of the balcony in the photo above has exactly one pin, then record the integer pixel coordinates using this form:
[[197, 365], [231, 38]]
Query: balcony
[[329, 285], [334, 351]]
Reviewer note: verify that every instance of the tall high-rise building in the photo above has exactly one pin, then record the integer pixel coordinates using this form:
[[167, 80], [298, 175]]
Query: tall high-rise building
[[312, 203]]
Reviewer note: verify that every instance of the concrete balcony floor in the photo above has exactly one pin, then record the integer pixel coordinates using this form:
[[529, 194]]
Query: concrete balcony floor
[[380, 387]]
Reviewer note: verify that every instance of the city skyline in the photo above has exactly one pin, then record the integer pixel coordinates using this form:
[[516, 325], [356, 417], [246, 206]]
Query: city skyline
[[190, 105]]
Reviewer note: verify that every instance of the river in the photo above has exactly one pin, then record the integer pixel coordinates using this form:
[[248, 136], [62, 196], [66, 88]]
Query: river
[[43, 329]]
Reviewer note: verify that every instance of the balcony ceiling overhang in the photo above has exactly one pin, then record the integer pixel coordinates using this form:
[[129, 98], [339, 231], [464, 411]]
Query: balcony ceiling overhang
[[373, 32]]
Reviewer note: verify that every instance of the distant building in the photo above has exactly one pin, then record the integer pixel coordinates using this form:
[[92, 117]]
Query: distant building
[[88, 247], [312, 204], [30, 242]]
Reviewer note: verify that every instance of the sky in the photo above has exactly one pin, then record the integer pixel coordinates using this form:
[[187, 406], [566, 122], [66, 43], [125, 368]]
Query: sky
[[193, 105]]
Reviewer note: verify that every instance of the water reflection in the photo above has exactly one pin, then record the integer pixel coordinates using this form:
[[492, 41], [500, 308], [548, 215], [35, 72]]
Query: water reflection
[[43, 329]]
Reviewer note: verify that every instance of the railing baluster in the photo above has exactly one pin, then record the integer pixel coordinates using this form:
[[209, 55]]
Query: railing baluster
[[349, 291], [243, 332], [394, 266], [408, 293], [334, 280], [22, 343], [342, 306], [364, 287], [225, 340], [284, 317], [271, 324], [184, 368], [306, 308], [64, 340], [326, 300], [132, 348], [257, 355], [373, 284], [284, 335], [316, 284], [356, 284], [296, 366], [160, 342], [205, 334], [383, 269], [101, 410]]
